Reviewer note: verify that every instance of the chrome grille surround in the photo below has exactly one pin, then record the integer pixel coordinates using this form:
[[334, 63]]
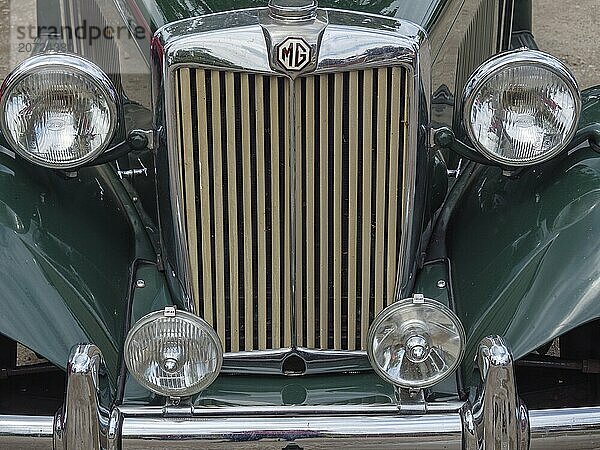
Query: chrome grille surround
[[235, 42]]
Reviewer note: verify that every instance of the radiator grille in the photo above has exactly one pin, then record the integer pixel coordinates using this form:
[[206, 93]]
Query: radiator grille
[[235, 132]]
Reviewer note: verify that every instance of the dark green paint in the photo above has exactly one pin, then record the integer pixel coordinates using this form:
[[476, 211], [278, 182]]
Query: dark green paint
[[590, 111], [66, 250], [160, 12], [522, 15], [525, 251], [244, 390]]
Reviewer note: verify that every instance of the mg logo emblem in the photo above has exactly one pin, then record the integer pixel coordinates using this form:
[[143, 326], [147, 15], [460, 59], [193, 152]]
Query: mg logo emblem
[[293, 54]]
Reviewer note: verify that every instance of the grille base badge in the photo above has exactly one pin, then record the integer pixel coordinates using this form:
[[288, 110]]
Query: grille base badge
[[293, 53]]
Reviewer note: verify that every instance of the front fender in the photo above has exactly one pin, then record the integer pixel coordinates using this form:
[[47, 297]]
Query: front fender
[[525, 252], [66, 248]]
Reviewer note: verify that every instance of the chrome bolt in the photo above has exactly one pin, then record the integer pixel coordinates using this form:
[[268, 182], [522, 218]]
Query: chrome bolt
[[140, 284], [417, 349], [441, 284]]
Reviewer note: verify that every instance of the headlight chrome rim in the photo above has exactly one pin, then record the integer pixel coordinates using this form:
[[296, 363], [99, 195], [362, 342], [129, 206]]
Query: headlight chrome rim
[[393, 309], [515, 58], [185, 316], [70, 64]]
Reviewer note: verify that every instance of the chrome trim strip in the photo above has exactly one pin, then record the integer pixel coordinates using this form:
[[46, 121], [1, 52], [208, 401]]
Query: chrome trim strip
[[432, 432], [284, 411], [558, 429], [30, 432]]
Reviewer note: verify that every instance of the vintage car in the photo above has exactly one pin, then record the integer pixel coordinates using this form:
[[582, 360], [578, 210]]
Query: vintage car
[[283, 225]]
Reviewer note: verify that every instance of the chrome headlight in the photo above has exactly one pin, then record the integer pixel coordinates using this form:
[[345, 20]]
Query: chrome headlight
[[58, 111], [173, 353], [521, 107], [416, 343]]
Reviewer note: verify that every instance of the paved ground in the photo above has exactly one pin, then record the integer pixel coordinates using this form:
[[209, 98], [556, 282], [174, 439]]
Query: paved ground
[[569, 30]]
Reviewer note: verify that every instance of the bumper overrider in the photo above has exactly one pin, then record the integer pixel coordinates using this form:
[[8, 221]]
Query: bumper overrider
[[495, 419]]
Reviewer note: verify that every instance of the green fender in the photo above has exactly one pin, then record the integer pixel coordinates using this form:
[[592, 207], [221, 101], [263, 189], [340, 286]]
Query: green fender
[[66, 249], [525, 250]]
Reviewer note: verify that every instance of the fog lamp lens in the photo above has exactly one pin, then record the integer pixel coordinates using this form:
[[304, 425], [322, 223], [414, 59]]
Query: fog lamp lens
[[416, 343], [521, 107], [175, 354], [58, 111]]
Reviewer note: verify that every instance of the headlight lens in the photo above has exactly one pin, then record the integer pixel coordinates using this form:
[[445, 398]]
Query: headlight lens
[[175, 354], [58, 111], [521, 107], [416, 343]]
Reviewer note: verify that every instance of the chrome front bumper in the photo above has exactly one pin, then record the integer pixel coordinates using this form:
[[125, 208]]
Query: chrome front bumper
[[497, 419]]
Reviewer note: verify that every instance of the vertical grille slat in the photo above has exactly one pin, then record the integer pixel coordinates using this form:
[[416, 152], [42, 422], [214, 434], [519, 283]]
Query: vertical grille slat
[[337, 207], [188, 170], [393, 199], [310, 212], [275, 213], [232, 217], [299, 216], [287, 221], [380, 187], [353, 150], [241, 163], [322, 126], [247, 207], [205, 194], [366, 202], [219, 261], [262, 212]]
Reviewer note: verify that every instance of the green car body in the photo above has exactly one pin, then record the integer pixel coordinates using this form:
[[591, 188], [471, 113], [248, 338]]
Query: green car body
[[519, 254]]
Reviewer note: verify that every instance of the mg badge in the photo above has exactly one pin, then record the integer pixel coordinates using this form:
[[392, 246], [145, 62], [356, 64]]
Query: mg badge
[[293, 53]]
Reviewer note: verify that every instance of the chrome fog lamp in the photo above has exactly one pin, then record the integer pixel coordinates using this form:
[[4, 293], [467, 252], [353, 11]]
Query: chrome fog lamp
[[58, 111], [416, 343], [173, 353], [521, 107]]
